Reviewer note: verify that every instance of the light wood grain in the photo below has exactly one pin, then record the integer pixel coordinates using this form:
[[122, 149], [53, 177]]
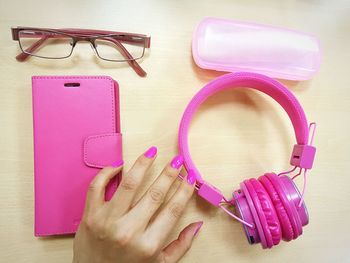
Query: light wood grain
[[236, 134]]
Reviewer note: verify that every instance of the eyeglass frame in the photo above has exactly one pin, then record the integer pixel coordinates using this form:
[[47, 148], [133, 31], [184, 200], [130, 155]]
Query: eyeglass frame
[[89, 35]]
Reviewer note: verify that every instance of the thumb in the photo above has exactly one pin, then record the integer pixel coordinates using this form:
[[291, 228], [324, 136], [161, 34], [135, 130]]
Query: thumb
[[95, 196], [178, 248]]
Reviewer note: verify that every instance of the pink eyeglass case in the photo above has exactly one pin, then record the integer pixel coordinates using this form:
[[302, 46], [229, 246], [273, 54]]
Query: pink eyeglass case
[[231, 46], [76, 133]]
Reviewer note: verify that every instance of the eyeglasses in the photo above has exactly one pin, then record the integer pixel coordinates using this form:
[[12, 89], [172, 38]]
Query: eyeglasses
[[59, 43]]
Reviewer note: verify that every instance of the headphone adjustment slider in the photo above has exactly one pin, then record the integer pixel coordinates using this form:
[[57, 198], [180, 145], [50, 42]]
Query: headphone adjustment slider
[[303, 156], [210, 193]]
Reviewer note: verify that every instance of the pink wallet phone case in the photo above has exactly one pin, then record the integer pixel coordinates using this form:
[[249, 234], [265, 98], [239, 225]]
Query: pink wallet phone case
[[76, 133]]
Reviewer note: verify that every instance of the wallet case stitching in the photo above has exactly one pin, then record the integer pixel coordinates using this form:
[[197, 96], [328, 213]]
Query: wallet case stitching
[[71, 231], [113, 105], [94, 138]]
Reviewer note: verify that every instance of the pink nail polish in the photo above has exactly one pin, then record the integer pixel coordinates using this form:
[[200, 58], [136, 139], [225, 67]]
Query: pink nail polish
[[151, 152], [177, 162], [118, 163], [191, 177], [200, 224]]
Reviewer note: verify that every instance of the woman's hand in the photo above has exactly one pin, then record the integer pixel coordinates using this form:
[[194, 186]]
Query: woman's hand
[[129, 230]]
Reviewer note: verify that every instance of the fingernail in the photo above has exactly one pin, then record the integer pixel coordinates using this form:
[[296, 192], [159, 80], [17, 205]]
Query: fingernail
[[191, 177], [200, 224], [177, 162], [118, 163], [151, 152]]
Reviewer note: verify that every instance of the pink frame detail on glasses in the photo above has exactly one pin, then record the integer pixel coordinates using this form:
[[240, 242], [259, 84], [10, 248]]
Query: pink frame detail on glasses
[[89, 35]]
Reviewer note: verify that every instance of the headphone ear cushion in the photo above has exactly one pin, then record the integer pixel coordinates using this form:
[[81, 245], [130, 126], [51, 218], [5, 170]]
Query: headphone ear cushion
[[260, 205], [286, 225], [287, 203], [254, 214], [269, 212]]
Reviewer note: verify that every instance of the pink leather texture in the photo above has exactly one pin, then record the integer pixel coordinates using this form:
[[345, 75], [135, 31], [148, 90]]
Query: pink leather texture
[[101, 150], [76, 132]]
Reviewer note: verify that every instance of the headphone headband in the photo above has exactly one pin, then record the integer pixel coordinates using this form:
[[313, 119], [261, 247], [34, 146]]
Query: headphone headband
[[302, 155]]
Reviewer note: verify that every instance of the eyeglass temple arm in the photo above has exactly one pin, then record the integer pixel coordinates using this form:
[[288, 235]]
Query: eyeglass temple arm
[[129, 58], [94, 31], [23, 56]]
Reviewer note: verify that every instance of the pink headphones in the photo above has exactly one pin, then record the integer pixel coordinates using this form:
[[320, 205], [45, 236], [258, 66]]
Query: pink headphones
[[270, 207]]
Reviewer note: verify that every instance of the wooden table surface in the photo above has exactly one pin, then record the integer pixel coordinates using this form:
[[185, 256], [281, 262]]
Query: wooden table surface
[[236, 134]]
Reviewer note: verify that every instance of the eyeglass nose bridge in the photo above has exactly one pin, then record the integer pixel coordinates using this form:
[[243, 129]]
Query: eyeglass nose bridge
[[91, 40], [82, 39]]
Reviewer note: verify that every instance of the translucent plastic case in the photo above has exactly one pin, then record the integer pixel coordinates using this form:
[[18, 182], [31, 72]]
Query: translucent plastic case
[[226, 45]]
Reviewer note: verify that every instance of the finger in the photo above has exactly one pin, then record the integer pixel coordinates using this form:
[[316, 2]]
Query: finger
[[129, 184], [154, 197], [96, 191], [165, 221], [178, 248]]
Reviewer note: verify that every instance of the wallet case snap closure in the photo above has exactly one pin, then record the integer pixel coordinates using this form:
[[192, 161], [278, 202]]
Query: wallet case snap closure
[[103, 150]]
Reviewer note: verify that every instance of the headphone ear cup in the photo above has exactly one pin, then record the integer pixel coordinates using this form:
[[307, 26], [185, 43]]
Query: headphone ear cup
[[286, 225], [269, 211], [254, 214], [294, 194], [288, 204], [244, 211], [266, 212]]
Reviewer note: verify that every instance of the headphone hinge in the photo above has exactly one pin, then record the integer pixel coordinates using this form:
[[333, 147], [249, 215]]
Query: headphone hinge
[[210, 193]]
